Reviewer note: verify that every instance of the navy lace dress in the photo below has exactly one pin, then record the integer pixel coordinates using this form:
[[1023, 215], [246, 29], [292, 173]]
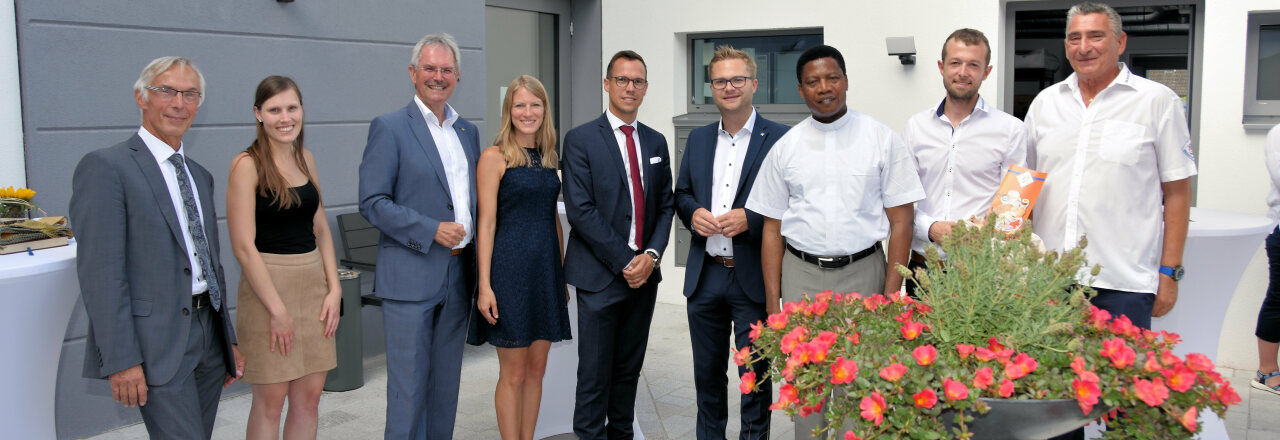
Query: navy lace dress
[[526, 274]]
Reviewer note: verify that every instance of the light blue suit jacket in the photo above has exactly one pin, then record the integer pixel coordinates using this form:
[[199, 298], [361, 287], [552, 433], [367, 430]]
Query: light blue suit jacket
[[404, 192]]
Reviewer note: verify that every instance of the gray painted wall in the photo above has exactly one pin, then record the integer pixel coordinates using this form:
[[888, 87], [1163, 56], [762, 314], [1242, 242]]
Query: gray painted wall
[[79, 59]]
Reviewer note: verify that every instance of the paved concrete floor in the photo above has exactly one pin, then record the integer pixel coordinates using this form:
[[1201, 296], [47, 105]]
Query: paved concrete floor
[[665, 403]]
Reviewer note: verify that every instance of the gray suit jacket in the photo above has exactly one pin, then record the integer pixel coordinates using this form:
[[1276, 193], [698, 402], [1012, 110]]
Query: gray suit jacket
[[131, 258], [404, 192]]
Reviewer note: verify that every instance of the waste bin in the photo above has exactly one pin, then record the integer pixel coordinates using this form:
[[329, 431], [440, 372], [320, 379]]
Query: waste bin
[[349, 374]]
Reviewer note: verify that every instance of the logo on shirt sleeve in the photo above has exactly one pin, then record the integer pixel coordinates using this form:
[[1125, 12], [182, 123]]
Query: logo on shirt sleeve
[[1186, 150]]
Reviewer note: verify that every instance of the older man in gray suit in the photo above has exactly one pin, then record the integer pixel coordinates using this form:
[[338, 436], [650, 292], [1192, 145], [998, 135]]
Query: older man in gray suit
[[417, 186], [149, 267]]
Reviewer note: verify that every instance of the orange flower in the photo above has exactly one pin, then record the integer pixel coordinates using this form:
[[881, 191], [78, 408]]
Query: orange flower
[[911, 329], [1121, 355], [983, 378], [792, 338], [893, 372], [1152, 392], [965, 350], [1168, 359], [994, 345], [792, 307], [748, 384], [1087, 394], [984, 354], [824, 296], [926, 398], [1199, 362], [873, 302], [1098, 318], [843, 371], [954, 390], [777, 321], [873, 408], [1077, 364], [1006, 388], [1152, 364], [825, 339], [756, 328], [741, 357], [1124, 327], [925, 354], [1020, 366], [1226, 395], [817, 308], [1188, 420], [1180, 378], [787, 396]]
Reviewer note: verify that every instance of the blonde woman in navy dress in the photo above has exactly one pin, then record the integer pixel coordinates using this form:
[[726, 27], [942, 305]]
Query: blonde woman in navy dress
[[522, 298], [288, 302]]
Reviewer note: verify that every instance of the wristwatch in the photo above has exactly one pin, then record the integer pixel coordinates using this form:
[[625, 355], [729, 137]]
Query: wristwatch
[[657, 260], [1175, 272]]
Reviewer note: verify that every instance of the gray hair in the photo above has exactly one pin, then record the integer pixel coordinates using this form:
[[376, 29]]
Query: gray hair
[[162, 65], [1117, 26], [441, 39]]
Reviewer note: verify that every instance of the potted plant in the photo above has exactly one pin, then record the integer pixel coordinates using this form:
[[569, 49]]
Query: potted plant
[[1005, 324]]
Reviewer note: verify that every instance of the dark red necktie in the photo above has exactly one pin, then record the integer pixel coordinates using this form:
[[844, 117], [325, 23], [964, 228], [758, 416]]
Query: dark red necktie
[[637, 190]]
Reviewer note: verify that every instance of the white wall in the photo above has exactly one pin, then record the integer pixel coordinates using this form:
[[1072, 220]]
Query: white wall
[[12, 155], [1230, 177]]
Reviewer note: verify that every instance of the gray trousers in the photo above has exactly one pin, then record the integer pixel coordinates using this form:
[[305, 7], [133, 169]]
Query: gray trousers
[[185, 407], [865, 276]]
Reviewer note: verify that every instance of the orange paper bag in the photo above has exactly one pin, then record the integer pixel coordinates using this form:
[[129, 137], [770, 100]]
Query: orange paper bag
[[1015, 198]]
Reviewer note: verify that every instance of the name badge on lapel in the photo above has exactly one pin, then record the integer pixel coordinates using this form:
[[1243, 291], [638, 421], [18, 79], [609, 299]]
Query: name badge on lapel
[[655, 159]]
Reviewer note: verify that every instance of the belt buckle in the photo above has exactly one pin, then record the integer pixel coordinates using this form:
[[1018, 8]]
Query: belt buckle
[[199, 301], [824, 262]]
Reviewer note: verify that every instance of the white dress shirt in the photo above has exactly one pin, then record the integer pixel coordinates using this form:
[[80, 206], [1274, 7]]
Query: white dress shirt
[[617, 123], [1105, 163], [162, 151], [455, 165], [726, 172], [829, 184], [961, 167], [1272, 155]]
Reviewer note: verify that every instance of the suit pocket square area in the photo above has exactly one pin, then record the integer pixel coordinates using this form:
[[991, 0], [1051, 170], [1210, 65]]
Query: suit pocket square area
[[655, 159]]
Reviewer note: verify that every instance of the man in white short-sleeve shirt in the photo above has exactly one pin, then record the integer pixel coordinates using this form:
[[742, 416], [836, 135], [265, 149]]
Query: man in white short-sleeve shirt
[[1115, 145], [961, 146]]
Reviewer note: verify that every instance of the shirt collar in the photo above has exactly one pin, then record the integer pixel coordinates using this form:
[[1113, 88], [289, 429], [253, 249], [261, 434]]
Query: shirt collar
[[981, 106], [1125, 78], [449, 114], [158, 148], [750, 126], [616, 122], [838, 124]]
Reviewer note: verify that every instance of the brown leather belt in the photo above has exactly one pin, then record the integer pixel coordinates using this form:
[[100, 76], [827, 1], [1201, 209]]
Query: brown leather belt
[[832, 262], [200, 301], [724, 261], [455, 252]]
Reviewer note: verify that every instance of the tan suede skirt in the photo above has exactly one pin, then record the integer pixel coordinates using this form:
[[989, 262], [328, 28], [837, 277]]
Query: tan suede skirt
[[299, 280]]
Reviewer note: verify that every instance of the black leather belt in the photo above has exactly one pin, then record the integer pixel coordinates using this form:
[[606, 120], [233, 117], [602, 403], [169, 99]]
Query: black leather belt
[[200, 301], [827, 262], [724, 261]]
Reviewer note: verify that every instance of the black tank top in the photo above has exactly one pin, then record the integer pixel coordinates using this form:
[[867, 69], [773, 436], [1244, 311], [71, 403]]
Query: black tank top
[[289, 230]]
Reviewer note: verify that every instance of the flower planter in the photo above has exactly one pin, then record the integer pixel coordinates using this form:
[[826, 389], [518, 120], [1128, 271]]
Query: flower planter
[[1026, 419]]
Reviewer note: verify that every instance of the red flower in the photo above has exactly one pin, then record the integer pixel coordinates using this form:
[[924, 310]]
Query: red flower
[[994, 345], [777, 321], [1188, 420], [925, 354], [984, 354], [893, 372], [853, 337], [1006, 388], [789, 371], [1168, 359], [843, 371], [1121, 355], [904, 316], [802, 354], [848, 435], [1098, 318], [1226, 395], [1152, 363], [824, 296], [911, 329], [826, 339], [983, 378], [873, 407], [1152, 392], [787, 396], [741, 357], [1180, 378], [954, 390], [926, 398], [1124, 327], [1077, 364], [873, 302], [1087, 394], [1020, 366], [792, 338], [756, 328], [1199, 362], [792, 307], [1004, 355], [818, 308], [748, 384], [965, 350]]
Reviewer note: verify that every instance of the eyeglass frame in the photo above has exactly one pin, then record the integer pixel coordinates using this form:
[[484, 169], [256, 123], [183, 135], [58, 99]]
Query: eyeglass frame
[[622, 81], [727, 82], [431, 70], [168, 93]]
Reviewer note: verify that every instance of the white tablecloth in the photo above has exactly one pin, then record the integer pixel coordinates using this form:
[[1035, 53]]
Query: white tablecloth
[[37, 294]]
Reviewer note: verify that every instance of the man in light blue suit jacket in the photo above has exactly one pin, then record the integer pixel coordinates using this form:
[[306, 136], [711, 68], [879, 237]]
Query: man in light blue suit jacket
[[417, 186]]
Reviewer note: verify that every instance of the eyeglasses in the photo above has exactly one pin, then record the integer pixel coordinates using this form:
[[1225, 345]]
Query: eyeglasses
[[621, 82], [188, 96], [431, 70], [737, 81]]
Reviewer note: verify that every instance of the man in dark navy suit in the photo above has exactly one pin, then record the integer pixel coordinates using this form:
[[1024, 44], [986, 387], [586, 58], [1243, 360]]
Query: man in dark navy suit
[[722, 280], [617, 195]]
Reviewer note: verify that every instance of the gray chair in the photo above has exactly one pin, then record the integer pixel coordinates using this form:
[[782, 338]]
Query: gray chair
[[359, 248]]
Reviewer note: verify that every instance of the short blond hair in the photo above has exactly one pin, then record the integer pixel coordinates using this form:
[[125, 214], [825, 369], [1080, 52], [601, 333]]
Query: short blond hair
[[727, 52]]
